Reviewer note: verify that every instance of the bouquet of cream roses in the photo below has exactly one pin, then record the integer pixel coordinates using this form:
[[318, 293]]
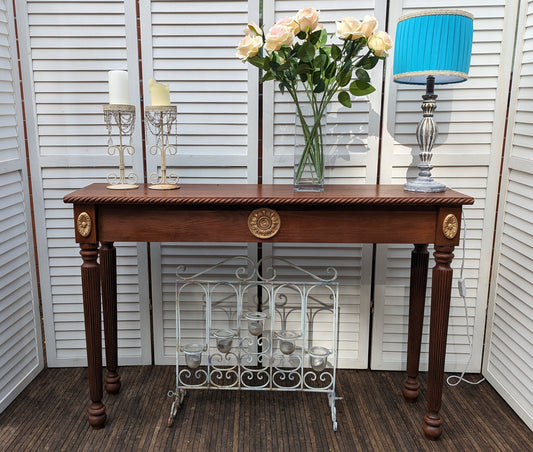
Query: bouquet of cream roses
[[295, 53]]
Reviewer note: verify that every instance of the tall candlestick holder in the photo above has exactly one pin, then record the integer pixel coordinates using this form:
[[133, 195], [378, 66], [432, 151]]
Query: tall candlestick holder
[[161, 120], [122, 116]]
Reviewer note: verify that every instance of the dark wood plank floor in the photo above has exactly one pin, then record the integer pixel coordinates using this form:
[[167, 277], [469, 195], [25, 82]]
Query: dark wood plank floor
[[51, 415]]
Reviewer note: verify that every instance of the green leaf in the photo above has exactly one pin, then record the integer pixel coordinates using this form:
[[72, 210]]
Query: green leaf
[[345, 77], [370, 62], [323, 37], [303, 77], [301, 35], [359, 88], [362, 75], [284, 66], [316, 77], [268, 76], [304, 68], [345, 99], [258, 61], [336, 53], [314, 37], [320, 61], [330, 70], [306, 52], [320, 87]]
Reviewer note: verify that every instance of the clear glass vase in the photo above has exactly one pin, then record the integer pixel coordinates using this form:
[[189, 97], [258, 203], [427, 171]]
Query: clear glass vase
[[310, 134]]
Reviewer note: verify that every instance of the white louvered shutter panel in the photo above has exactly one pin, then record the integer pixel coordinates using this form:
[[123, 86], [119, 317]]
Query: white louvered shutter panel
[[470, 117], [20, 331], [71, 47], [353, 145], [191, 45], [508, 358]]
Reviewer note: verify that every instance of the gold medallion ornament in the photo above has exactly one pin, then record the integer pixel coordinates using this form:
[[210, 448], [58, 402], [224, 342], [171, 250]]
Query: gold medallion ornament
[[450, 226], [84, 224], [264, 223]]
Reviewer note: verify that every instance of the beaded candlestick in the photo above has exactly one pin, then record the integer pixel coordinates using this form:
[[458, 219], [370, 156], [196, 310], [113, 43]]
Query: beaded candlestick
[[161, 120], [122, 116]]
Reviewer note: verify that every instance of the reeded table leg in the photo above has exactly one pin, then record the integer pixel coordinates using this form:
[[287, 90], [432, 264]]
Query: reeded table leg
[[108, 275], [417, 296], [440, 308], [90, 278]]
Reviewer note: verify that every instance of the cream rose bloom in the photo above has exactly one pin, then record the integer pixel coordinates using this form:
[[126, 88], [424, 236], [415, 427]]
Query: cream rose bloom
[[252, 29], [379, 43], [348, 28], [307, 19], [249, 47], [278, 36], [368, 26], [290, 23]]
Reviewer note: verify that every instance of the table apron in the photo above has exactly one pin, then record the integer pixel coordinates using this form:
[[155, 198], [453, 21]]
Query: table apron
[[170, 224]]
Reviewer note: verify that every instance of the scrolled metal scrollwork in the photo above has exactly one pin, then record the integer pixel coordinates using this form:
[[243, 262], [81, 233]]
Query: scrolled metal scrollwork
[[197, 379], [318, 380], [255, 378]]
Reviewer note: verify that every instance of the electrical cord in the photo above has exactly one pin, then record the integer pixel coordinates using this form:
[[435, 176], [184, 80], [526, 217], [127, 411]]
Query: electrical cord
[[461, 285]]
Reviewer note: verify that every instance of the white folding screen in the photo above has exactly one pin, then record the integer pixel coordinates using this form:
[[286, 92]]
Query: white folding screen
[[352, 138], [21, 352], [508, 356], [471, 117], [191, 46], [68, 48]]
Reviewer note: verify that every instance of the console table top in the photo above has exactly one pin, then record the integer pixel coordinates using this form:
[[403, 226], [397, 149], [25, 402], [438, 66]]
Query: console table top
[[279, 195]]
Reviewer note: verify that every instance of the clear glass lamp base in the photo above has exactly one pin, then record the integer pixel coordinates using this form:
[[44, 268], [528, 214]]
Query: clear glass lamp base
[[425, 185]]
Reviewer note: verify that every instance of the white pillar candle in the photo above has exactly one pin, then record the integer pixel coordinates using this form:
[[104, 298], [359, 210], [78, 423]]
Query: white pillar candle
[[118, 88], [159, 92]]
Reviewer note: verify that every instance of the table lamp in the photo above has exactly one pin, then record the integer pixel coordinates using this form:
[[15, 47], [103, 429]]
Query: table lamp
[[432, 47]]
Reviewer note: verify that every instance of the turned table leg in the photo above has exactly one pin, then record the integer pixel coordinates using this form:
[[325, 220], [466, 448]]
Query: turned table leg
[[440, 308], [417, 296], [108, 275], [90, 278]]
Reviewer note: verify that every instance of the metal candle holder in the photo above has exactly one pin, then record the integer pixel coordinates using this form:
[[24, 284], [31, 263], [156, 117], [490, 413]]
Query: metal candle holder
[[123, 116], [161, 120], [255, 350]]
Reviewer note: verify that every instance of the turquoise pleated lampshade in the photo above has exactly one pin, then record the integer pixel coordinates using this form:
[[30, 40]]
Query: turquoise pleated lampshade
[[433, 42]]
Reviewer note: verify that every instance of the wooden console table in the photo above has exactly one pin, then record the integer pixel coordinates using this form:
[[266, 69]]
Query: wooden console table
[[269, 213]]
